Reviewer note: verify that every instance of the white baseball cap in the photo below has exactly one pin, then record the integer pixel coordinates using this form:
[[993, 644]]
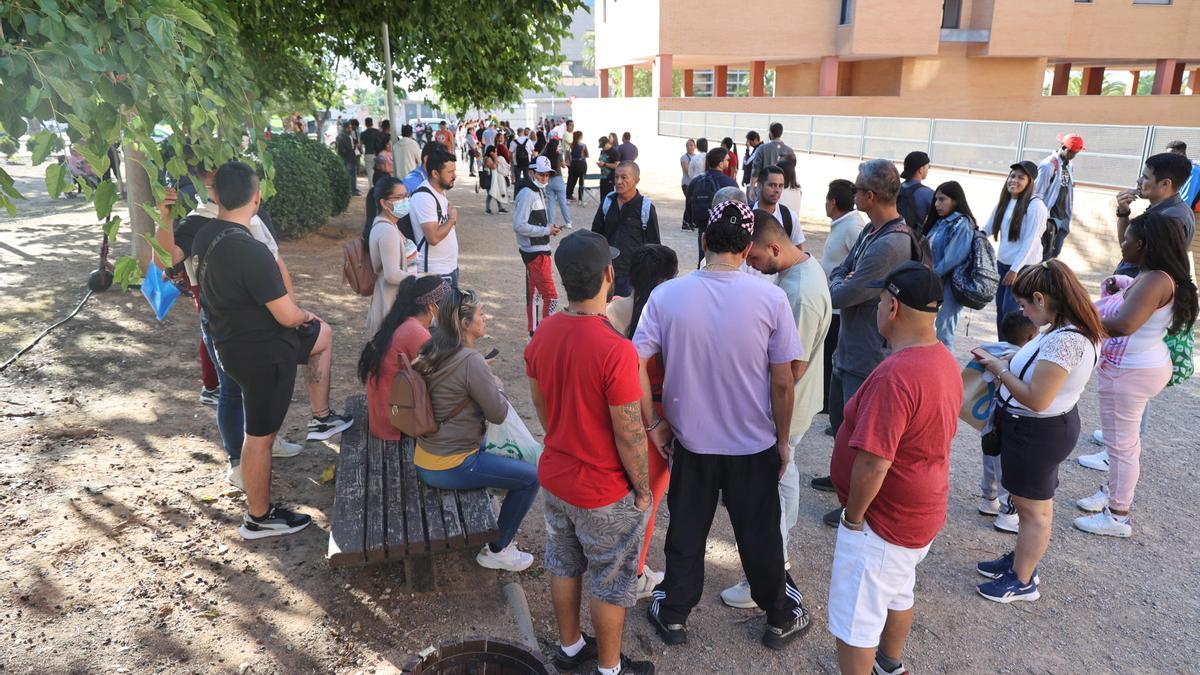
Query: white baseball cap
[[542, 165]]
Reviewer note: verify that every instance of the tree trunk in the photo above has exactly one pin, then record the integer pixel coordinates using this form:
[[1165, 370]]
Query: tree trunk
[[137, 183]]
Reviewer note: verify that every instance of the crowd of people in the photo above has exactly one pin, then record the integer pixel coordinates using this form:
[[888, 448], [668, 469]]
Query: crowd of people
[[701, 388]]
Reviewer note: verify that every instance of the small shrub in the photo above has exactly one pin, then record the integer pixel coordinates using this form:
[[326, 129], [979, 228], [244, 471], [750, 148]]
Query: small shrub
[[8, 146], [310, 183]]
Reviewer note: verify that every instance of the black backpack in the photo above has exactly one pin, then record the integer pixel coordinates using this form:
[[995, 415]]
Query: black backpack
[[974, 282], [521, 154], [787, 219], [700, 199], [906, 204], [406, 225]]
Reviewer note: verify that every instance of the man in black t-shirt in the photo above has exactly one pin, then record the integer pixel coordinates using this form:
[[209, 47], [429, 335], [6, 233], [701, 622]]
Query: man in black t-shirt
[[260, 336]]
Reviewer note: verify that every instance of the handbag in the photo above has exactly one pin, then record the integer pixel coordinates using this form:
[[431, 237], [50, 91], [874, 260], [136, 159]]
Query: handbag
[[159, 291], [485, 179], [1183, 365], [511, 438]]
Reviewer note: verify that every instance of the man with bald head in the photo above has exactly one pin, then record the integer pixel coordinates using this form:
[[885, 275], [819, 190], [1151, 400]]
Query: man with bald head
[[628, 220], [891, 470]]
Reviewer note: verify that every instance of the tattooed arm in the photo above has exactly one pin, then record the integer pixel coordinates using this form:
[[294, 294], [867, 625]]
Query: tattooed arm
[[630, 436]]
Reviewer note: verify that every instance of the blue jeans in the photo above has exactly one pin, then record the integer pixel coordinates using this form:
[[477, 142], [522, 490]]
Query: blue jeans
[[947, 316], [484, 470], [231, 419], [556, 194], [842, 387], [622, 287], [451, 278], [1005, 302]]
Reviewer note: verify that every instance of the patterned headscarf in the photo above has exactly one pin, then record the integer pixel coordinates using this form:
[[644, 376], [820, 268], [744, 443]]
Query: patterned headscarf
[[740, 215], [434, 296]]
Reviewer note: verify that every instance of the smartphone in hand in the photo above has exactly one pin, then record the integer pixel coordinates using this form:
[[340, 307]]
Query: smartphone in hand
[[491, 355], [979, 353]]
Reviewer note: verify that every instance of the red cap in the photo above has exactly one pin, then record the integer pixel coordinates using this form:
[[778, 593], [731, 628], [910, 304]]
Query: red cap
[[1072, 142]]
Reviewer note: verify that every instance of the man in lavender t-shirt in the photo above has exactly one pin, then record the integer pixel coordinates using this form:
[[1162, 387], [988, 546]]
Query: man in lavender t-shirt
[[728, 343]]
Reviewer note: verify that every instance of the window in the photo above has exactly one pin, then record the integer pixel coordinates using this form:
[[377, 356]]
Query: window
[[847, 12], [1151, 2], [951, 13]]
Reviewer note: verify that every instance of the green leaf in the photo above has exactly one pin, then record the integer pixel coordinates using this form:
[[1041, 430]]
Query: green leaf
[[98, 162], [212, 96], [106, 196], [192, 18], [126, 272], [40, 145], [56, 179], [159, 252], [112, 227], [157, 26], [152, 211]]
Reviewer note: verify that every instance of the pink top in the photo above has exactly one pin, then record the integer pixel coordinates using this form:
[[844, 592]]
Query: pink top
[[1144, 348], [408, 339]]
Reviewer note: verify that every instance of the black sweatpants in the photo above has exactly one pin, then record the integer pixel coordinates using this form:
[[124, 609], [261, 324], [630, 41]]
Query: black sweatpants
[[831, 340], [750, 485]]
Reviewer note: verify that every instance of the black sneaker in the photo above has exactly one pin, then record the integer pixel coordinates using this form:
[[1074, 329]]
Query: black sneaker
[[823, 483], [209, 396], [320, 428], [778, 637], [632, 667], [671, 633], [278, 522], [588, 653], [833, 518]]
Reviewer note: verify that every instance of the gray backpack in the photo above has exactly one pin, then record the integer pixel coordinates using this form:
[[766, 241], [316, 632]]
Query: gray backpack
[[974, 282]]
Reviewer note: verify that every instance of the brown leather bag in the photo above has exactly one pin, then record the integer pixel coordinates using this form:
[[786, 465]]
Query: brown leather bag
[[357, 268], [410, 409]]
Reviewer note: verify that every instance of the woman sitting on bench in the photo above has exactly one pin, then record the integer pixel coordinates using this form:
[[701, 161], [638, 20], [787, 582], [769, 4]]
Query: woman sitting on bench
[[463, 393]]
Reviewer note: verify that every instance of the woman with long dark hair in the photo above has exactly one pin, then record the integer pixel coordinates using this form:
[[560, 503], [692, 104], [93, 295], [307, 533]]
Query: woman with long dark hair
[[792, 194], [732, 169], [950, 228], [651, 265], [1135, 364], [404, 330], [1017, 223], [390, 251], [607, 161], [464, 393], [578, 166], [556, 188], [1037, 418]]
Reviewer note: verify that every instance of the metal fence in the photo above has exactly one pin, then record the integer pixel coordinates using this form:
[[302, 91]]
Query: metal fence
[[1114, 156]]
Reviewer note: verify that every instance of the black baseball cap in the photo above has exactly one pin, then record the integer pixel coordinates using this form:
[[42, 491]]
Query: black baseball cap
[[914, 284], [583, 255], [1029, 168]]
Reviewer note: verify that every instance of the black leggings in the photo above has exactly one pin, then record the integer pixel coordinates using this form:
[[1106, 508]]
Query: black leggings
[[575, 173]]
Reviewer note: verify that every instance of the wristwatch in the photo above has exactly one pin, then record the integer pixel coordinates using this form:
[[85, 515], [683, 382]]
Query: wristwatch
[[850, 525]]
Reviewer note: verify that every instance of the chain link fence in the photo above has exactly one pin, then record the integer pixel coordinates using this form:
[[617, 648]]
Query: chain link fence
[[1113, 157]]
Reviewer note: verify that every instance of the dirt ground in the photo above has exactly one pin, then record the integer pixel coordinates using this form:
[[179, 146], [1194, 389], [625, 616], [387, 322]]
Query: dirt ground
[[118, 529]]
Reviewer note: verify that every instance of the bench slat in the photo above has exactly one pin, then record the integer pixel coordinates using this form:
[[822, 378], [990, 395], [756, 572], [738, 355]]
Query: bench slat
[[432, 508], [376, 510], [455, 535], [347, 524], [395, 532], [477, 517], [413, 522]]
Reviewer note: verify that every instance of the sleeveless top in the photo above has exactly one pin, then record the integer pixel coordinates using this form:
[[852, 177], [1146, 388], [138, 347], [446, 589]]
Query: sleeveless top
[[1144, 348]]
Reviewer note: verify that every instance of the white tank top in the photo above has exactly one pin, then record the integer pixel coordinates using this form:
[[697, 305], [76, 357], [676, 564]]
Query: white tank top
[[1145, 347]]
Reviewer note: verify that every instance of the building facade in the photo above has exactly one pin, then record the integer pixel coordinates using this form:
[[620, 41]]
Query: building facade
[[967, 59]]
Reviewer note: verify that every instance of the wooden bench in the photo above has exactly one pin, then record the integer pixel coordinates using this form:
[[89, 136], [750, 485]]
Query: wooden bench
[[383, 512]]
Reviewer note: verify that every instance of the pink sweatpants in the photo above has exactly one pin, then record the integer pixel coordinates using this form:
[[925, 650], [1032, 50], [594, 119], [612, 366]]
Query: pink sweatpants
[[1123, 396]]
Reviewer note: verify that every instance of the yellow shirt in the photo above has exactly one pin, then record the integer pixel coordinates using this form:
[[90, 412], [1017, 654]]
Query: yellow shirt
[[432, 462]]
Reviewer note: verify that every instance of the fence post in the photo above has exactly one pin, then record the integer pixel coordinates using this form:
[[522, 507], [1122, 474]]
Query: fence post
[[1021, 138], [862, 138], [929, 144], [1148, 145]]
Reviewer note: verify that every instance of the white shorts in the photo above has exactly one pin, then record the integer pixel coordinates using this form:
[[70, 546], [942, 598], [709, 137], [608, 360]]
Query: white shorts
[[870, 576]]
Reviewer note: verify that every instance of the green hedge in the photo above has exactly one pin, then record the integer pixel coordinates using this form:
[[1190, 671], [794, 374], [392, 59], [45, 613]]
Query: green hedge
[[311, 185]]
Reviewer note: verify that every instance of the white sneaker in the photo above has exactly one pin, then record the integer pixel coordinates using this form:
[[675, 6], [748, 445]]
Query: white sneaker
[[282, 447], [738, 596], [1098, 461], [647, 582], [511, 558], [989, 507], [1098, 437], [1096, 503], [1105, 523], [234, 476]]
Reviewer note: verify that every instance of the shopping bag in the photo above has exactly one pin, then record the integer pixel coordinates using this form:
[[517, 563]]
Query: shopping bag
[[159, 291], [979, 395], [511, 438]]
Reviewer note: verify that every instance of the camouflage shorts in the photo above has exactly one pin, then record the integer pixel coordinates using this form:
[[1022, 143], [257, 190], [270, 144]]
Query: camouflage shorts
[[606, 540]]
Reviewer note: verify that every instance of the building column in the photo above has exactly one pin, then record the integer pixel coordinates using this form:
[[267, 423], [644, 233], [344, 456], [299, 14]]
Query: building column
[[1137, 77], [1062, 79], [689, 82], [1093, 81], [758, 75], [627, 81], [1168, 77], [604, 93], [720, 80], [664, 82], [1194, 81], [827, 78]]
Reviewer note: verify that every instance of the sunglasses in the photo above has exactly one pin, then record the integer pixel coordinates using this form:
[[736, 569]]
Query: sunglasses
[[862, 189]]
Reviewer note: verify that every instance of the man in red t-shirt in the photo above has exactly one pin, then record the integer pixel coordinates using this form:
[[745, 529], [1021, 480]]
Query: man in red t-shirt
[[443, 136], [891, 468], [583, 377]]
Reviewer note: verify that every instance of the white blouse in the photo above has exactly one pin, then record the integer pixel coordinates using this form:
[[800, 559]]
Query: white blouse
[[1027, 249], [1066, 349]]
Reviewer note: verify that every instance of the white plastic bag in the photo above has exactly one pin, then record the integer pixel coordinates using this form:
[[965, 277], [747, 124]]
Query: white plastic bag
[[511, 438]]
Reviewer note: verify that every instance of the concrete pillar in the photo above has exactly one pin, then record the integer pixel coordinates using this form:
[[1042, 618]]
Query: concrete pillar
[[628, 81], [1194, 81], [827, 78], [1137, 77], [1062, 78], [1168, 77], [604, 93], [720, 80], [1093, 81], [758, 73], [689, 82], [664, 83]]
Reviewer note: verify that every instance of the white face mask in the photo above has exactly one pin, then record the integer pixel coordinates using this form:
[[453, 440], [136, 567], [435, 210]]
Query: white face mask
[[541, 184], [400, 208]]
